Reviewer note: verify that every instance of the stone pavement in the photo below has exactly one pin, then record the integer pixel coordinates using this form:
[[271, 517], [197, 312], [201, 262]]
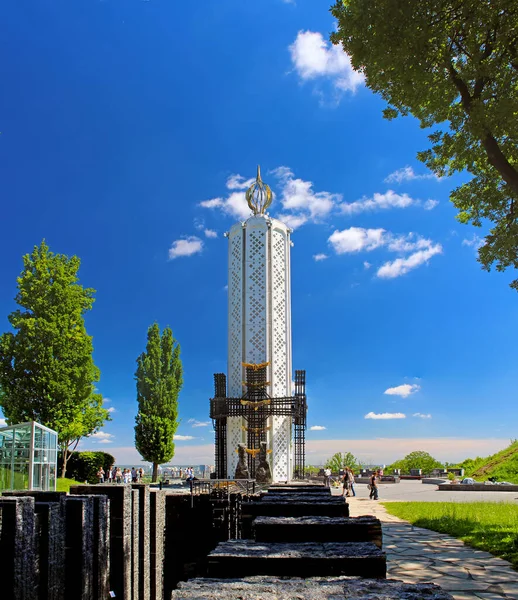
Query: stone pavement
[[417, 555]]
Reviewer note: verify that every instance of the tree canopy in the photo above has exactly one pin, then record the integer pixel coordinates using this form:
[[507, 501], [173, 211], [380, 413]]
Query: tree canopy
[[452, 64], [47, 373], [340, 460], [159, 379], [418, 459]]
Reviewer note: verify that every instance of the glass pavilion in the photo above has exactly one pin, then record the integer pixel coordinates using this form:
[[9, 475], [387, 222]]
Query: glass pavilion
[[28, 457]]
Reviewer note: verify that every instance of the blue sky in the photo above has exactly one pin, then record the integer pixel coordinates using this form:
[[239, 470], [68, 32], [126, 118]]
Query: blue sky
[[129, 129]]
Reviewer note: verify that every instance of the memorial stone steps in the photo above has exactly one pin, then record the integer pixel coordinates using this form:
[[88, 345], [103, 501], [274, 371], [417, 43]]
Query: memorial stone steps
[[317, 529], [328, 588], [305, 537], [243, 558]]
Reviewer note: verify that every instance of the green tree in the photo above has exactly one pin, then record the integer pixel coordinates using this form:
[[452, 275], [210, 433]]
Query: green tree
[[159, 379], [47, 373], [452, 64], [340, 460], [418, 459]]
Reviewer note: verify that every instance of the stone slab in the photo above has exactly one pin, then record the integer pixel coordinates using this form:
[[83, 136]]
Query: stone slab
[[120, 534], [331, 588], [50, 547], [302, 498], [318, 529], [79, 514], [476, 487], [156, 543], [17, 549], [295, 509], [243, 558]]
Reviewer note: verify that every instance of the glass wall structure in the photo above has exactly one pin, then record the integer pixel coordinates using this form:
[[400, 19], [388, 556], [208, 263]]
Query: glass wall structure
[[28, 457]]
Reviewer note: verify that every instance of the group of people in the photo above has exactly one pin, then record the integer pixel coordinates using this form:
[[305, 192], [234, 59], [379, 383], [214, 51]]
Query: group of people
[[348, 482], [118, 475]]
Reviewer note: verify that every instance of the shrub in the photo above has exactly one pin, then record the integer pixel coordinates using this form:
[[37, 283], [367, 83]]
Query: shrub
[[83, 466]]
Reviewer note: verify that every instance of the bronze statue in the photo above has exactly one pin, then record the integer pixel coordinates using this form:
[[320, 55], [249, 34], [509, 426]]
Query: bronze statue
[[263, 473], [242, 467]]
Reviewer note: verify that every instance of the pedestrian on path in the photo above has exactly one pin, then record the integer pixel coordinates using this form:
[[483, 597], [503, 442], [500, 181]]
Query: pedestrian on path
[[327, 478], [374, 487], [349, 473]]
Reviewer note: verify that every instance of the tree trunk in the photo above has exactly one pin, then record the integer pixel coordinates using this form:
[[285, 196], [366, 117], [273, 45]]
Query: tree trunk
[[66, 455], [155, 473]]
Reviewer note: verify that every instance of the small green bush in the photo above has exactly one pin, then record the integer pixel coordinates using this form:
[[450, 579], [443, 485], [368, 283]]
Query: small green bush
[[83, 466]]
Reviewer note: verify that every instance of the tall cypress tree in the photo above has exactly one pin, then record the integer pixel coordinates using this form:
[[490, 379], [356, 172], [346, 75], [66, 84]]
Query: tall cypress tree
[[159, 379], [47, 373]]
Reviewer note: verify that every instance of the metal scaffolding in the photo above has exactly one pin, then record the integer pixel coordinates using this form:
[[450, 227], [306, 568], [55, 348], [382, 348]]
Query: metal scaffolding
[[256, 406]]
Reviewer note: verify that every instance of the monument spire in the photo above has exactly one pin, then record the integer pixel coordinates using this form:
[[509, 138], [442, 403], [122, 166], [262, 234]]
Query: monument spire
[[259, 195]]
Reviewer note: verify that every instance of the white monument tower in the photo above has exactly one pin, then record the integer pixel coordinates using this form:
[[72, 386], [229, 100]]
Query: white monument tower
[[259, 335]]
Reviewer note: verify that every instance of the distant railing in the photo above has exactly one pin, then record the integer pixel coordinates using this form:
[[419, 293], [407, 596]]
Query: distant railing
[[245, 487]]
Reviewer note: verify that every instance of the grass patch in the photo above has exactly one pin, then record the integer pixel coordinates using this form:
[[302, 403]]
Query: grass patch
[[488, 526], [63, 485]]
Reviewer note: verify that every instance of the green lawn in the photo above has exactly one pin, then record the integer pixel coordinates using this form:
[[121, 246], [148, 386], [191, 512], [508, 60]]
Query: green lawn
[[63, 485], [488, 526]]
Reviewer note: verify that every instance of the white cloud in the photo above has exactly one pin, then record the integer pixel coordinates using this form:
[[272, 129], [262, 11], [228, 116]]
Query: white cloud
[[422, 416], [389, 199], [373, 415], [430, 204], [367, 265], [319, 257], [3, 423], [298, 197], [102, 437], [111, 409], [238, 182], [315, 58], [210, 233], [407, 174], [213, 203], [355, 239], [186, 247], [317, 428], [195, 423], [183, 438], [403, 390], [474, 242], [293, 221], [401, 266], [106, 400]]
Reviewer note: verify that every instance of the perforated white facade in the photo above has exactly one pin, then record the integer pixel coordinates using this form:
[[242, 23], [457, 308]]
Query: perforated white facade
[[259, 327]]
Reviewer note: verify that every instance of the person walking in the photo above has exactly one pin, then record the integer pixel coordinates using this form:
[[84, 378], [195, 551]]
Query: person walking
[[327, 477], [118, 475], [374, 486], [349, 473]]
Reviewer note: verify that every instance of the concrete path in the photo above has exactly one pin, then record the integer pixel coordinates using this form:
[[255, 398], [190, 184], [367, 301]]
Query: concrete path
[[417, 555]]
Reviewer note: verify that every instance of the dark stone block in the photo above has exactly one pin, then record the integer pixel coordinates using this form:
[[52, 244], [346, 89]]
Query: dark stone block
[[135, 546], [295, 509], [331, 588], [50, 544], [79, 524], [242, 558], [156, 543], [143, 536], [301, 498], [38, 496], [100, 545], [318, 529], [119, 534], [17, 548]]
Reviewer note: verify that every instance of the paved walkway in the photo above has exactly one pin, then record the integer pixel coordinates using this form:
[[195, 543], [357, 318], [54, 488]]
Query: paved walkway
[[419, 555]]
